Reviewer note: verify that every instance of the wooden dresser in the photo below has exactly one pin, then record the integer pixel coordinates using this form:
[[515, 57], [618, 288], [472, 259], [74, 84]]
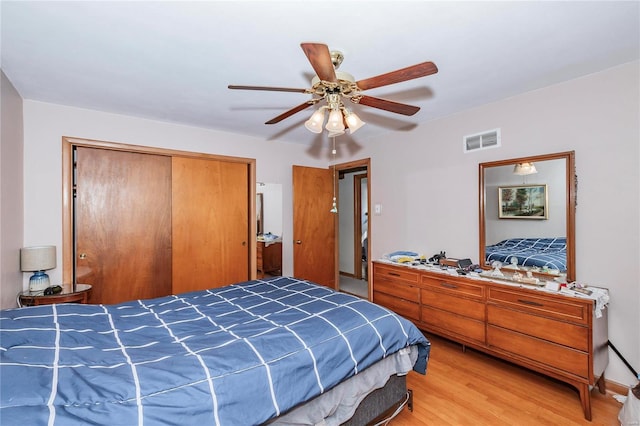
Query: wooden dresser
[[552, 333], [268, 258]]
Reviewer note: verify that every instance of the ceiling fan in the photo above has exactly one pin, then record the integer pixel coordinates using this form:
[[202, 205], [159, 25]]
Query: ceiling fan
[[333, 86]]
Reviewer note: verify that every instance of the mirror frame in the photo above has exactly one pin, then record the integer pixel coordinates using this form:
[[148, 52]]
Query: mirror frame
[[571, 190]]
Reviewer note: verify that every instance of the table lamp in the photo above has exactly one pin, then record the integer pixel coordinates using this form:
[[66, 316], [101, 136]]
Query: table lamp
[[37, 260]]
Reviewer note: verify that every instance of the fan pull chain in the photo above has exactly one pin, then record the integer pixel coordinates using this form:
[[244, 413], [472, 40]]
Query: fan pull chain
[[334, 207]]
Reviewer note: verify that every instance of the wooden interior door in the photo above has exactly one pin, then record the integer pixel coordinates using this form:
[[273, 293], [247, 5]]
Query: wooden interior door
[[314, 226], [210, 211], [123, 224]]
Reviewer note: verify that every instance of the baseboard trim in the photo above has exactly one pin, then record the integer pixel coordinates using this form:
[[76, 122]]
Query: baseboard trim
[[615, 387], [347, 274]]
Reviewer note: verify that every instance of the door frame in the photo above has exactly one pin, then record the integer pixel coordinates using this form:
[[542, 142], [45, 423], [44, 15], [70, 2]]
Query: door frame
[[365, 166], [68, 219]]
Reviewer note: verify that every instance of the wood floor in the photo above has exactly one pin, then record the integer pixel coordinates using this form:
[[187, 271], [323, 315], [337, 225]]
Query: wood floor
[[471, 388]]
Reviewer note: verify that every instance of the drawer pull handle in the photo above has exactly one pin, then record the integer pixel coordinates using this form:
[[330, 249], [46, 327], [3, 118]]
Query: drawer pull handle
[[395, 274], [529, 302], [447, 285]]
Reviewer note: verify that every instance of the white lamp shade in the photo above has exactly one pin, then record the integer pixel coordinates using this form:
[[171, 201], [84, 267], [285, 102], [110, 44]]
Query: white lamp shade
[[314, 123], [354, 122], [38, 258], [335, 123]]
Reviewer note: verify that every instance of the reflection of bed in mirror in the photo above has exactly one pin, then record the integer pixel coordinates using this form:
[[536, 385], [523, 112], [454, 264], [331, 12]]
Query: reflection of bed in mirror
[[550, 253]]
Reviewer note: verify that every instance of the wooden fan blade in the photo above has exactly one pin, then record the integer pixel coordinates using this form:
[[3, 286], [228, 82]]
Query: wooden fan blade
[[272, 89], [404, 74], [388, 105], [290, 112], [320, 58]]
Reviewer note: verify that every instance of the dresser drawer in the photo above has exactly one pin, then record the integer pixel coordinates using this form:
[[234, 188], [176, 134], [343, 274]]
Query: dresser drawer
[[395, 273], [538, 350], [405, 308], [452, 325], [451, 303], [453, 287], [558, 307], [564, 333], [398, 289]]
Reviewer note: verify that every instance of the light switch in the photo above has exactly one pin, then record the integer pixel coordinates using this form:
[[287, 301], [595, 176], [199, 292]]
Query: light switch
[[377, 209]]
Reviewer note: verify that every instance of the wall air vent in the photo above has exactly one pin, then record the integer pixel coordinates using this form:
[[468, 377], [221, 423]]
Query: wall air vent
[[484, 140]]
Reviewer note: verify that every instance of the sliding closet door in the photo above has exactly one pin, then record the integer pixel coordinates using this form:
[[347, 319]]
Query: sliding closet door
[[210, 214], [123, 224]]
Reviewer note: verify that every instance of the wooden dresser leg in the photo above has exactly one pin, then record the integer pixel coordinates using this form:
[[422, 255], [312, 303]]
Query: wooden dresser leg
[[601, 384], [585, 399]]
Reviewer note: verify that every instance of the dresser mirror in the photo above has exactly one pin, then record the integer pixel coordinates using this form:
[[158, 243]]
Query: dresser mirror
[[269, 209], [259, 213], [527, 214]]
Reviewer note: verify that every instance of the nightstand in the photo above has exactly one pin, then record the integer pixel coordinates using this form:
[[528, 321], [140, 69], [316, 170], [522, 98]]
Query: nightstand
[[80, 295]]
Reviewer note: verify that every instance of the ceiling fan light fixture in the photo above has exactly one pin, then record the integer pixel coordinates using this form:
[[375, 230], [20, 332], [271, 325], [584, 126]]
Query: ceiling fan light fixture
[[332, 86], [353, 121], [315, 122], [335, 123]]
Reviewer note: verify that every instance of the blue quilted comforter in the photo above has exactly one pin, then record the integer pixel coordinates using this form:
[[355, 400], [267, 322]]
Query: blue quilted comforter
[[237, 355], [540, 252]]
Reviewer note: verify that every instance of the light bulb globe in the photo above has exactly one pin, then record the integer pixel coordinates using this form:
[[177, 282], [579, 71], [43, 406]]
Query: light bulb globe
[[335, 123], [314, 123]]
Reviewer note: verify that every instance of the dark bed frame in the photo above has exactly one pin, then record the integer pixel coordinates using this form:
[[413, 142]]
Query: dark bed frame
[[382, 403], [379, 405]]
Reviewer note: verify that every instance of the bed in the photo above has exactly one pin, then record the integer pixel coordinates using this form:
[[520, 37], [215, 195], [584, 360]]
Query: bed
[[535, 252], [250, 353]]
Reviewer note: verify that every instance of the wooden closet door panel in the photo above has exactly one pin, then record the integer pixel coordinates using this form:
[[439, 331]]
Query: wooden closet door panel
[[123, 224], [210, 213]]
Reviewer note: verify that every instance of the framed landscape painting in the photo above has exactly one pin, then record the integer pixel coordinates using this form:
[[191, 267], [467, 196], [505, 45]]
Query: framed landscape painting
[[523, 202]]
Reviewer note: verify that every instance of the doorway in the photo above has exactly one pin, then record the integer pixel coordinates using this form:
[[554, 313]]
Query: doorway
[[353, 227], [319, 243]]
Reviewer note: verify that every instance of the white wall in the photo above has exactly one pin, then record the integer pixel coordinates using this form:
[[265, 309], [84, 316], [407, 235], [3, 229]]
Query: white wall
[[429, 188], [11, 190]]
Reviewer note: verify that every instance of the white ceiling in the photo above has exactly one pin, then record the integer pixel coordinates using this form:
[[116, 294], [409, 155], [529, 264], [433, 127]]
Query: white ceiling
[[172, 61]]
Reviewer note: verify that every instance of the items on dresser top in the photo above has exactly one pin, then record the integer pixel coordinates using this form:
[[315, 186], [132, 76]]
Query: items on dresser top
[[506, 276], [463, 266], [269, 238]]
